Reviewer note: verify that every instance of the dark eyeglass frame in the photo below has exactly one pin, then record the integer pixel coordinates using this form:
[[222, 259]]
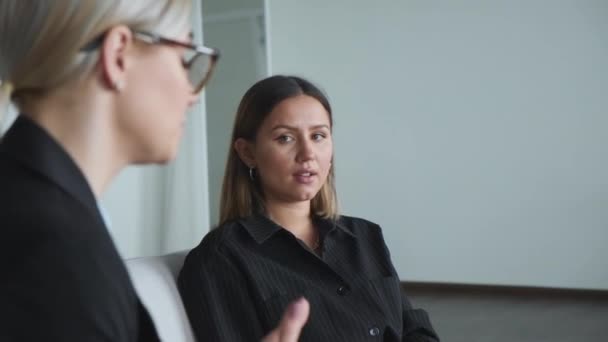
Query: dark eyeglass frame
[[152, 38]]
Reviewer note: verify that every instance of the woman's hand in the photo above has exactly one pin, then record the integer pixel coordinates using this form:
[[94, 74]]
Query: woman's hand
[[292, 323]]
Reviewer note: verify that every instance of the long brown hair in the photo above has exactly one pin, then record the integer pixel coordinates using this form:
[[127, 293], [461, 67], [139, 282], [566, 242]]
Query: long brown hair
[[241, 196]]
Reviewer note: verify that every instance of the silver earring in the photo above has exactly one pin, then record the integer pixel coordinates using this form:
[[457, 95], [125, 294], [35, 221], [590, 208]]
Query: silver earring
[[251, 176], [118, 85]]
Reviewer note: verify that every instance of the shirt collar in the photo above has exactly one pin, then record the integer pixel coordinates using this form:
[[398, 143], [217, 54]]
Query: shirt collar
[[261, 228]]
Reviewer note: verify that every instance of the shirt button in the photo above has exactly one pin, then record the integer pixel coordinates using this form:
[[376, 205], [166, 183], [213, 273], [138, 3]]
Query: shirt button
[[374, 331], [342, 290]]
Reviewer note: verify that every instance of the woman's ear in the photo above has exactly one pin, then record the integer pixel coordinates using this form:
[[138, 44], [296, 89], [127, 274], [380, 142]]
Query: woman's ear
[[245, 150], [114, 55]]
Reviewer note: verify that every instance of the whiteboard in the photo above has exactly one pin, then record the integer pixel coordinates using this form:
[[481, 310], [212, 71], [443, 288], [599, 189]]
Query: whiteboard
[[474, 132]]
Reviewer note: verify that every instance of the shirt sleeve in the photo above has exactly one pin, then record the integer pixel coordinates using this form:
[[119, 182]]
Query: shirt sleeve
[[217, 300], [417, 326]]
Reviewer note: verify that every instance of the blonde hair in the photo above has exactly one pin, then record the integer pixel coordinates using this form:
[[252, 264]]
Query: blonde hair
[[243, 196], [41, 41]]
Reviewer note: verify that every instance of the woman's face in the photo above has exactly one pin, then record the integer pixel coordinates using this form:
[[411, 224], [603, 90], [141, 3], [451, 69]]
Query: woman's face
[[293, 150], [156, 98]]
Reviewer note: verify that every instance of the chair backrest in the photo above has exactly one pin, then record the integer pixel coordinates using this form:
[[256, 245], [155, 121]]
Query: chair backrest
[[155, 282]]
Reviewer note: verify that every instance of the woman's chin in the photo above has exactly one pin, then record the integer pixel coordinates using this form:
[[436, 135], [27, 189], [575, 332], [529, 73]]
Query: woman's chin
[[305, 196], [158, 158]]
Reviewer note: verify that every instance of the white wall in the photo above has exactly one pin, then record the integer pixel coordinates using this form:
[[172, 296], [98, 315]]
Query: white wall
[[474, 132], [223, 7], [237, 29]]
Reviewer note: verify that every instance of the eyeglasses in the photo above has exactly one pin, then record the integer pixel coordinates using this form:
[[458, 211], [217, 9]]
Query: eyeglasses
[[199, 60]]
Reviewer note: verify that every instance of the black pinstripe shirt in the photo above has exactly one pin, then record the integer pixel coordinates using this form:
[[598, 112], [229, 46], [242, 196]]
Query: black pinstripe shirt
[[237, 283]]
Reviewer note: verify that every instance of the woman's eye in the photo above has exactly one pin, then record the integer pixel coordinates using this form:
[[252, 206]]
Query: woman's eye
[[318, 136], [284, 139]]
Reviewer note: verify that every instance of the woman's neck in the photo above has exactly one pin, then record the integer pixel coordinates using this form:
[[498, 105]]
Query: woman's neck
[[84, 132], [295, 217]]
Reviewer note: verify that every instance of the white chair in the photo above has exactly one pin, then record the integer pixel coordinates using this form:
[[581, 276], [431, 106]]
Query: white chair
[[155, 282]]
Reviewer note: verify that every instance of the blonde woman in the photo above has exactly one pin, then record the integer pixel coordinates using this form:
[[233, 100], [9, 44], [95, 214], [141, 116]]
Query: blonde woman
[[100, 85], [281, 236]]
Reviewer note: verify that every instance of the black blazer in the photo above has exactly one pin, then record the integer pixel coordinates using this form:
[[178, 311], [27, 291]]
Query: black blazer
[[62, 277]]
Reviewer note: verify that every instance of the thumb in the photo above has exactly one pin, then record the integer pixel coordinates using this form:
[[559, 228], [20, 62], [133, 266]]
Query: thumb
[[291, 324], [293, 320]]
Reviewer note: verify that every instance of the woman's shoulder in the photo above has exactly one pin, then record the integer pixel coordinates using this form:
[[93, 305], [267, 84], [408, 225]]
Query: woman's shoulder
[[217, 240], [219, 235], [357, 225], [352, 220]]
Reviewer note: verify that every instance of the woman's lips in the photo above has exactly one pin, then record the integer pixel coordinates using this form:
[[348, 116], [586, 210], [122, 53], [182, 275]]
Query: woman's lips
[[305, 177]]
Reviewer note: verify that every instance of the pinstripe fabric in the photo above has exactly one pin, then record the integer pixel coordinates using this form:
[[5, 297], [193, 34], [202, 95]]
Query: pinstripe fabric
[[237, 283]]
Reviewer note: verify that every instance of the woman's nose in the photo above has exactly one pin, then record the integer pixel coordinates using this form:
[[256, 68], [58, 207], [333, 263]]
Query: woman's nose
[[306, 151]]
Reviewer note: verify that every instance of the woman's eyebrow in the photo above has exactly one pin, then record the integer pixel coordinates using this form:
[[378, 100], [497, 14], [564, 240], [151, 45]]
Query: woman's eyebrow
[[292, 128], [320, 126], [281, 126]]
